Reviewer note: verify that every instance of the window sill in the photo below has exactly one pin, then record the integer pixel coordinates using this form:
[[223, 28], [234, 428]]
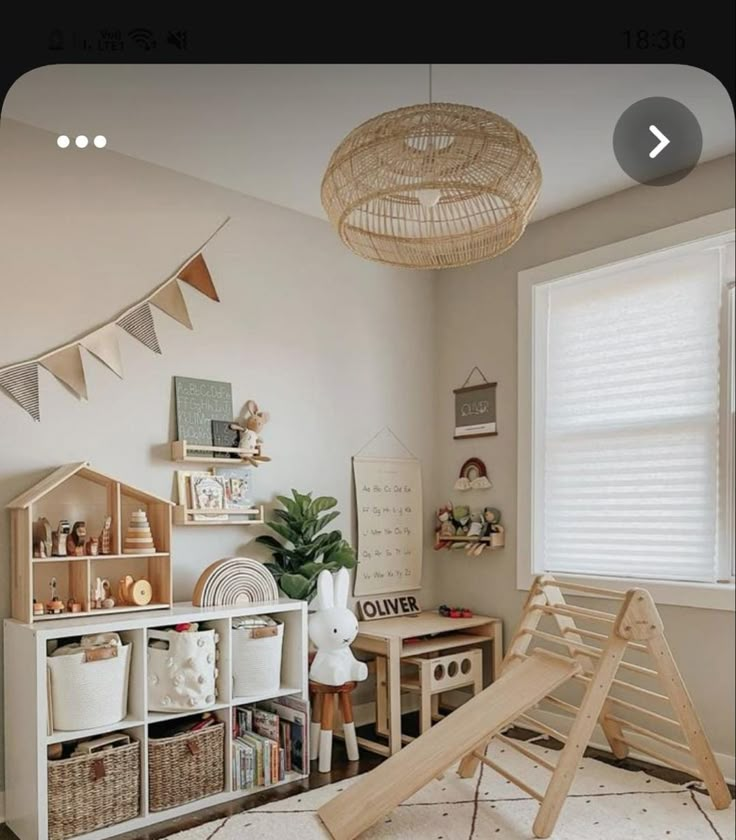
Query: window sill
[[704, 596]]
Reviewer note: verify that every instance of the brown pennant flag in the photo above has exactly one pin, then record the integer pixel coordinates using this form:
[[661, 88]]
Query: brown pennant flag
[[103, 343], [170, 300], [22, 384], [66, 365], [139, 323], [196, 273]]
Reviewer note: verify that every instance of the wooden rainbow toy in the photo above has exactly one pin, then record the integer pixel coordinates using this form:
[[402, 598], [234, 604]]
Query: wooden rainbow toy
[[237, 580]]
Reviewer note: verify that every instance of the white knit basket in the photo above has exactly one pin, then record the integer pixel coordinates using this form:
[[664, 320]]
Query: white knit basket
[[256, 661], [182, 678], [88, 694]]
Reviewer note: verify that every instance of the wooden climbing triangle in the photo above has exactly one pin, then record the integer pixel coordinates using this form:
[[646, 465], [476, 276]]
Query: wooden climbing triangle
[[641, 707]]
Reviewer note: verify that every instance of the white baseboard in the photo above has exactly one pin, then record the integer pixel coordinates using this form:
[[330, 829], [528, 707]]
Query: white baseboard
[[365, 713]]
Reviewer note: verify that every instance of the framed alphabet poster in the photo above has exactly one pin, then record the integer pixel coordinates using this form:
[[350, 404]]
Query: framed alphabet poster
[[388, 493], [475, 411]]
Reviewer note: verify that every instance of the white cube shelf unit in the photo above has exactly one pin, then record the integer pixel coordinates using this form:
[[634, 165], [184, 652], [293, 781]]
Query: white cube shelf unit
[[26, 706], [76, 492]]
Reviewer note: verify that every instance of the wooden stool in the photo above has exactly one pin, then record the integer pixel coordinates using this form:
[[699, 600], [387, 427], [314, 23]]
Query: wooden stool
[[437, 674], [324, 699]]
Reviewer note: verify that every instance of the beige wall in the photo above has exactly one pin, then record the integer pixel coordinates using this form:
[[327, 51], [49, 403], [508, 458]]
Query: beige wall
[[333, 346], [476, 317]]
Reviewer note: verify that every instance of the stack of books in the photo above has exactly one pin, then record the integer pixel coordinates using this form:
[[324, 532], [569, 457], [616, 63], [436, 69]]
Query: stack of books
[[270, 740]]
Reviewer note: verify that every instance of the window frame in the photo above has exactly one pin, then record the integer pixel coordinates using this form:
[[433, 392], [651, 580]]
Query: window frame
[[718, 595]]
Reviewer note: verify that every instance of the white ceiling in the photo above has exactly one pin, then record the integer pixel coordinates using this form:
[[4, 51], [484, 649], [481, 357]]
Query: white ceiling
[[268, 130]]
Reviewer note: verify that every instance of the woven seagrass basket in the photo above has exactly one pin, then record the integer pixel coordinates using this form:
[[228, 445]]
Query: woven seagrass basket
[[92, 791], [186, 767]]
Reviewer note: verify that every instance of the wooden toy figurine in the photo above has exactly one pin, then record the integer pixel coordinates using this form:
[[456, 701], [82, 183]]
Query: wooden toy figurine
[[59, 539], [55, 605], [76, 540], [106, 536]]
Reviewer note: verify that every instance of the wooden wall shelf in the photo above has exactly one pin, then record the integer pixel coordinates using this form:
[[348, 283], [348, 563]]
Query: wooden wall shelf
[[76, 492], [199, 453], [238, 516]]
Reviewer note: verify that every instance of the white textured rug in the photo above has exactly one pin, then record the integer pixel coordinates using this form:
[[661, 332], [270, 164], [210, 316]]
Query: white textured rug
[[605, 802]]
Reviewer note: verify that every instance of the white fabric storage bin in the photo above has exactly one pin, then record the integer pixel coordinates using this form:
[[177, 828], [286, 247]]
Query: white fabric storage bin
[[88, 694], [256, 659], [182, 677]]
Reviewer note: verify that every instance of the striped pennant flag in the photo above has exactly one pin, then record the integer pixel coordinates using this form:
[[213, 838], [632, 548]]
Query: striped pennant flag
[[22, 385], [139, 323]]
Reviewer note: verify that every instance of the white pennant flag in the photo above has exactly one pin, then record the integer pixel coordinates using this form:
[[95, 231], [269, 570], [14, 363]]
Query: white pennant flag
[[103, 343], [66, 365]]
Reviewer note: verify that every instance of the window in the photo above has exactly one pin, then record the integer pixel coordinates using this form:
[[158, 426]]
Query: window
[[630, 416]]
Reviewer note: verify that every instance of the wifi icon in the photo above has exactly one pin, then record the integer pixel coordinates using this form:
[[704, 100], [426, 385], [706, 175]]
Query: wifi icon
[[142, 38]]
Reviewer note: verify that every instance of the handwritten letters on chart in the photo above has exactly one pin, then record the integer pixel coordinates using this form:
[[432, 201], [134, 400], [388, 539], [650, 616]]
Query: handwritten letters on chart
[[389, 502]]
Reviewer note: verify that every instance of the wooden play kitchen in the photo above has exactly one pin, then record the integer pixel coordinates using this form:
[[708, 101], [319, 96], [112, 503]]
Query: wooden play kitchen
[[115, 558], [427, 635], [594, 662]]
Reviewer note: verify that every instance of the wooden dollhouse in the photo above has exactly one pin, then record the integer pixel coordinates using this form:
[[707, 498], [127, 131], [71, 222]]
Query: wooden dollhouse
[[44, 570]]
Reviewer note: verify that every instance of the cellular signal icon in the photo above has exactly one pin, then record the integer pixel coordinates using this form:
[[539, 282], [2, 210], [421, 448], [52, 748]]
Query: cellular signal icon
[[142, 38]]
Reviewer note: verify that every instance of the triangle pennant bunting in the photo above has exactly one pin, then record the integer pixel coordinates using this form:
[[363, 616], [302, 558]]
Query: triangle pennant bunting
[[170, 300], [103, 343], [22, 385], [67, 367], [196, 273], [139, 324]]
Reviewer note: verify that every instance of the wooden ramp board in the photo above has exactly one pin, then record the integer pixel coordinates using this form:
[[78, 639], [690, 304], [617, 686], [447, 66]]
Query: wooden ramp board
[[475, 722]]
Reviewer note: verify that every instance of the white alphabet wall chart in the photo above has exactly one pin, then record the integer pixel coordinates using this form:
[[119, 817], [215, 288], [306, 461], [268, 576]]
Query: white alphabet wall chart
[[388, 494]]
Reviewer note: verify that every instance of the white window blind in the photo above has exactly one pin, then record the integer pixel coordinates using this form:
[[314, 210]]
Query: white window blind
[[628, 416]]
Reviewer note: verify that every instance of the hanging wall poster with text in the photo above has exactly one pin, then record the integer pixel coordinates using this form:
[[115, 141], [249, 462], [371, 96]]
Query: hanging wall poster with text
[[388, 494]]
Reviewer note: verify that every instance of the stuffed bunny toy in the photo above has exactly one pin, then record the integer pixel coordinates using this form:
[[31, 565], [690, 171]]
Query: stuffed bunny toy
[[250, 431], [332, 628]]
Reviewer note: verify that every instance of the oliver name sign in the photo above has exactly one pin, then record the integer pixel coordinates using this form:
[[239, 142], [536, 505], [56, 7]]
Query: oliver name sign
[[388, 607]]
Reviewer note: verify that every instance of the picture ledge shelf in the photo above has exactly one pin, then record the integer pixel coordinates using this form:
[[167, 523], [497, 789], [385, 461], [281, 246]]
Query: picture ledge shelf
[[200, 453], [235, 516]]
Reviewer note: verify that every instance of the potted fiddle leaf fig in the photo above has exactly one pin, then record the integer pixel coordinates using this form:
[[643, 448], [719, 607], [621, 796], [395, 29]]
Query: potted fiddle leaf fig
[[305, 548]]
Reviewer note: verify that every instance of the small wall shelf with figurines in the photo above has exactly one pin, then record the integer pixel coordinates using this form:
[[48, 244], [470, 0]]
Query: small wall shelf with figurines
[[216, 497], [109, 552], [475, 531]]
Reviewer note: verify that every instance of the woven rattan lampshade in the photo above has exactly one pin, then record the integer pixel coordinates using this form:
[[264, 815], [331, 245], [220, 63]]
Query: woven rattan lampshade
[[432, 186]]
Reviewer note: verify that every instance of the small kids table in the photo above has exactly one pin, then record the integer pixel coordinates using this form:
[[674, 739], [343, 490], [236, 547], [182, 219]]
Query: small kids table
[[394, 639]]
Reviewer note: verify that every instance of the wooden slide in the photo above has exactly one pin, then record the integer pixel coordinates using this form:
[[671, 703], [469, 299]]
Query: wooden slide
[[468, 727], [594, 663]]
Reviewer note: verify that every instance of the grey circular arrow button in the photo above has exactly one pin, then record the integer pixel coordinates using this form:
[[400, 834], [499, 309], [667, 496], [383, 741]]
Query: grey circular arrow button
[[657, 141]]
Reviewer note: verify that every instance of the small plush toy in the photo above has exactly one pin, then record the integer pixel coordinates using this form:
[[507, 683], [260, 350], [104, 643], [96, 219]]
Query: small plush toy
[[250, 427], [445, 527], [461, 519], [492, 518]]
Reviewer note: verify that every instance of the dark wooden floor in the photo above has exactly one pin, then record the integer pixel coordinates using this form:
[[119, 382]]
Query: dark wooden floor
[[344, 769]]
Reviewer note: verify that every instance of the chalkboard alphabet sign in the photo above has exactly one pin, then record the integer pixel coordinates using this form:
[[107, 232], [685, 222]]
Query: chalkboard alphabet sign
[[198, 403], [388, 606], [475, 410]]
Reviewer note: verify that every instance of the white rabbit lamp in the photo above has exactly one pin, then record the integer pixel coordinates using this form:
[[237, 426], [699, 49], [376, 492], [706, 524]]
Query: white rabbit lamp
[[332, 629]]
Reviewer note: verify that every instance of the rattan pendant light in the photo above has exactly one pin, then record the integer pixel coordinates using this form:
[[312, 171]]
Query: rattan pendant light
[[432, 186]]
